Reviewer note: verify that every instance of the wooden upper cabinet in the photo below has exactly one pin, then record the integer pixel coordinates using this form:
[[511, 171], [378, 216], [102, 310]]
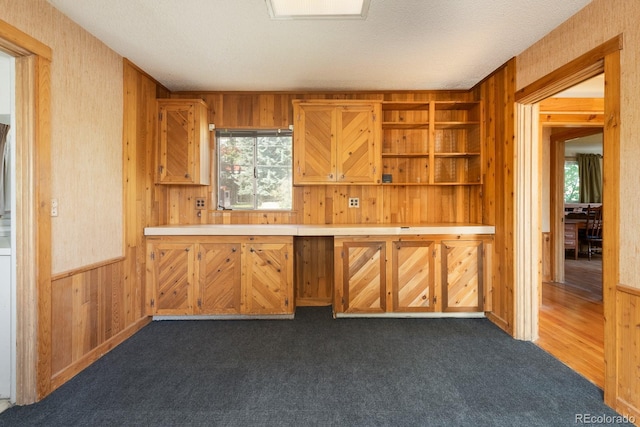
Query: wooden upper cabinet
[[183, 151], [337, 142]]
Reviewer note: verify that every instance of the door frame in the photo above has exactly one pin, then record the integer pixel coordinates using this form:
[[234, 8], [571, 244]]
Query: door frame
[[33, 223], [604, 58]]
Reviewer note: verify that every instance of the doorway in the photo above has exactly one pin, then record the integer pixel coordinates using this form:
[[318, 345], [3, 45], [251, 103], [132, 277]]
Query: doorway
[[571, 321], [7, 232], [604, 58]]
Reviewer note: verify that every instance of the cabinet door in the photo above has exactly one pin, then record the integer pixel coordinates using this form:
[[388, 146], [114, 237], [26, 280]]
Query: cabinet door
[[268, 278], [220, 278], [358, 154], [462, 275], [413, 276], [183, 152], [171, 266], [314, 154], [363, 277]]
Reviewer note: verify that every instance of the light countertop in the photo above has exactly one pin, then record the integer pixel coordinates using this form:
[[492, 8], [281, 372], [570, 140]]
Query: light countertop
[[317, 230]]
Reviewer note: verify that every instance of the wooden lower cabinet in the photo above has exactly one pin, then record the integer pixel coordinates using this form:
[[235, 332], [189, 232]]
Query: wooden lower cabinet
[[212, 275], [363, 271], [414, 274], [171, 270], [220, 278], [269, 278], [462, 275]]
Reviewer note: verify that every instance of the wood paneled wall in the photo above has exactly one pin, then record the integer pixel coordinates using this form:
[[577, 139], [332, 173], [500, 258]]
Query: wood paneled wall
[[498, 203], [322, 204], [94, 309]]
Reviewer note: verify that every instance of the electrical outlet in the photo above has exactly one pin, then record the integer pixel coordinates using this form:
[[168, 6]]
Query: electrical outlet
[[201, 203], [54, 207], [354, 202]]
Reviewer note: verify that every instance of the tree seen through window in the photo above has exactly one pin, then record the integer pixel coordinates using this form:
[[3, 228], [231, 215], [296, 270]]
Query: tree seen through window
[[254, 170]]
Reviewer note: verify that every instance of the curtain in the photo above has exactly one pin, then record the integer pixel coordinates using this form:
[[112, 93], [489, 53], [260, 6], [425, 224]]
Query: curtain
[[4, 165], [590, 178]]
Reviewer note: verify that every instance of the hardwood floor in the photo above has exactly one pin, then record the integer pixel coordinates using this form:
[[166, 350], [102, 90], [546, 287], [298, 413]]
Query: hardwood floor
[[572, 321]]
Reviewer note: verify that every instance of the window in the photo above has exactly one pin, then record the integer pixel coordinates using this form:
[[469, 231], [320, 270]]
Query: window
[[571, 182], [254, 170]]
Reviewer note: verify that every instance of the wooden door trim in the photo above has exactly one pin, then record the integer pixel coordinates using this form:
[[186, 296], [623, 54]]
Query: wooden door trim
[[604, 58], [576, 71], [33, 224]]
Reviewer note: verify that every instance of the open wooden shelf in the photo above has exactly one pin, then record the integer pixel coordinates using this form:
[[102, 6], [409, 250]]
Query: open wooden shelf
[[432, 142]]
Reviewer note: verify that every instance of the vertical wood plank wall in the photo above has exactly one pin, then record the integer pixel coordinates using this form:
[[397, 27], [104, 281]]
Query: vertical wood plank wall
[[498, 203]]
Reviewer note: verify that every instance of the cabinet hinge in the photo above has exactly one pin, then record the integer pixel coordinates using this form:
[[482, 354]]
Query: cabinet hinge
[[160, 169], [160, 116], [434, 253], [153, 302], [286, 302], [152, 255], [342, 254], [199, 302], [199, 256], [286, 255], [374, 117], [435, 299]]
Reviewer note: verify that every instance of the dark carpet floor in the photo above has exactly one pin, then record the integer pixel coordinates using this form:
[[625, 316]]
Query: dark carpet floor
[[315, 370]]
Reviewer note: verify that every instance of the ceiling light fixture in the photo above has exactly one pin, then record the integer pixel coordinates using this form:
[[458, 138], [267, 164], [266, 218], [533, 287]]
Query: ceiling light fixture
[[318, 9]]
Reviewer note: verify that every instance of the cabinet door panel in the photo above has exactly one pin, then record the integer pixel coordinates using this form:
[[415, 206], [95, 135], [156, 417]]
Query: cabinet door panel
[[172, 273], [177, 143], [314, 148], [220, 278], [269, 277], [358, 156], [364, 277], [413, 276], [462, 275]]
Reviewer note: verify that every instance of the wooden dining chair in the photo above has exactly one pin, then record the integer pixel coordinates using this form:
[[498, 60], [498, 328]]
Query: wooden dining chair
[[593, 231]]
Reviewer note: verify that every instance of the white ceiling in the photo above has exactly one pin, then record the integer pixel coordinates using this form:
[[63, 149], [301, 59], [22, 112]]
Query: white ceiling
[[402, 44]]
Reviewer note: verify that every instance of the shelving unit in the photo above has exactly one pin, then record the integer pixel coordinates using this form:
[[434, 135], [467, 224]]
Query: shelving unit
[[432, 143]]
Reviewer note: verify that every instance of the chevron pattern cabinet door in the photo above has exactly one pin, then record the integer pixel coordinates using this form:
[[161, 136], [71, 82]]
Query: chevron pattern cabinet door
[[220, 278], [462, 275], [364, 277], [183, 149], [413, 276], [315, 144], [268, 278], [172, 269], [358, 155]]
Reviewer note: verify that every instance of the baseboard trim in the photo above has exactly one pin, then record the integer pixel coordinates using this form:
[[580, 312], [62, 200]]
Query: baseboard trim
[[455, 315], [76, 367], [226, 317], [625, 408], [499, 322]]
